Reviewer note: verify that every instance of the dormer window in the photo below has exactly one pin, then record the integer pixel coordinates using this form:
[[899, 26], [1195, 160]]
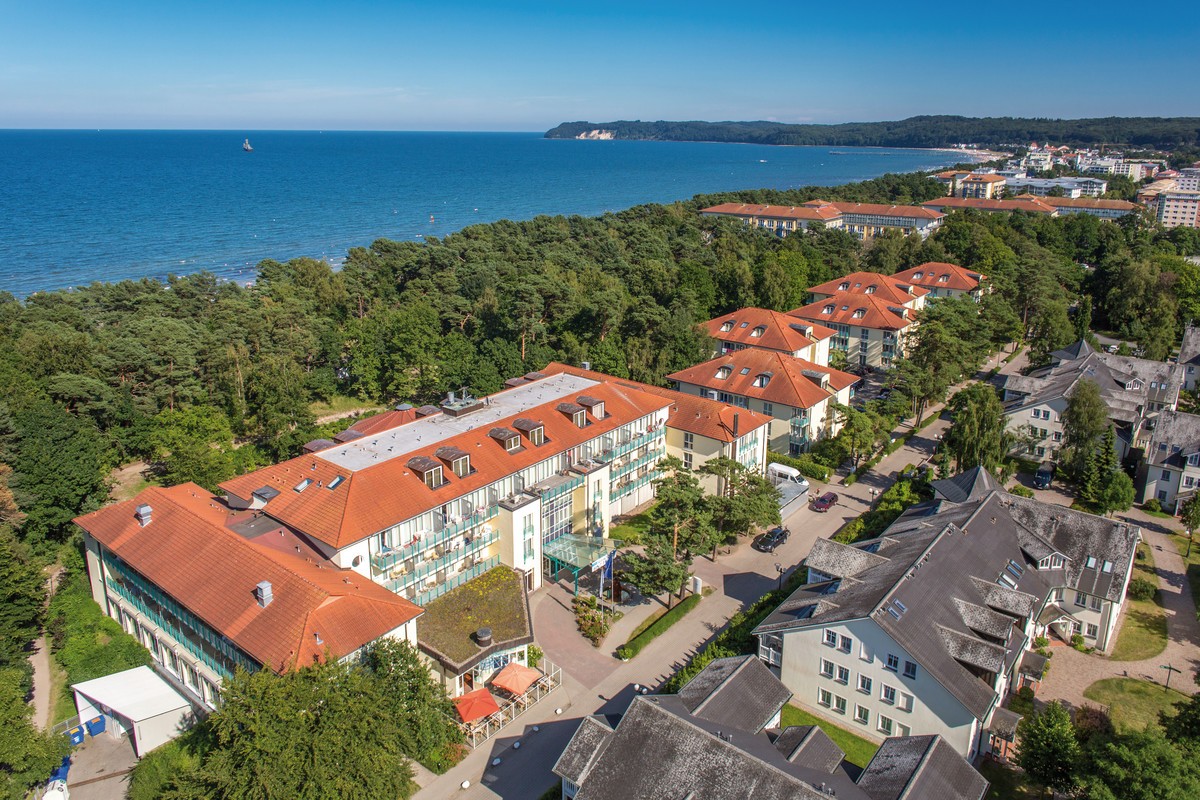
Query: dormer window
[[576, 412], [760, 381], [827, 309], [723, 373], [593, 405], [580, 419], [509, 439], [759, 331], [532, 429], [843, 286], [727, 326], [871, 289], [859, 313], [917, 276], [944, 279], [429, 470], [459, 460]]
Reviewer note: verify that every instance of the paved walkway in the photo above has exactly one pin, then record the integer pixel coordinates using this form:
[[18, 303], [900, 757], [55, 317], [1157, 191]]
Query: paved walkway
[[40, 659]]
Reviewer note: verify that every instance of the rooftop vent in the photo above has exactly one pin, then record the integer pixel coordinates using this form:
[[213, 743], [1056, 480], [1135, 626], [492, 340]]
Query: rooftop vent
[[142, 513], [461, 405], [483, 637], [262, 593], [585, 365], [404, 407]]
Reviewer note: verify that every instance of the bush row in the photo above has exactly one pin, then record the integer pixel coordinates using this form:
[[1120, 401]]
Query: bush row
[[806, 464], [892, 503], [639, 642]]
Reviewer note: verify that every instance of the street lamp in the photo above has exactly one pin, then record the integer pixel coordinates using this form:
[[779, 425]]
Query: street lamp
[[780, 569], [1169, 670]]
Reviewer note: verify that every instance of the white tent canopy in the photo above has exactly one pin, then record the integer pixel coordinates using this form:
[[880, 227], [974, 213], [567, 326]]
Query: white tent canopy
[[137, 701]]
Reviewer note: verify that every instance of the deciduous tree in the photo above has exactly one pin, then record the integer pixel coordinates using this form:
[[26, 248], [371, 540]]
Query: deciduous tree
[[1047, 749]]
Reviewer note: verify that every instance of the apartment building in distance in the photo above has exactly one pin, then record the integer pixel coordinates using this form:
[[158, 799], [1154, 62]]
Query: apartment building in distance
[[1051, 206], [1174, 209], [763, 329], [864, 220], [1017, 182], [985, 185], [1095, 206], [798, 395], [941, 279], [927, 628]]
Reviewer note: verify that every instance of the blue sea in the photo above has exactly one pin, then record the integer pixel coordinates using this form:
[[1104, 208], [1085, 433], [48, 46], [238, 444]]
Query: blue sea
[[83, 206]]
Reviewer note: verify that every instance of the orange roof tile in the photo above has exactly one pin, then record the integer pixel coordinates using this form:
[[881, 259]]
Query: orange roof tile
[[383, 421], [844, 309], [776, 330], [790, 381], [1088, 202], [377, 497], [985, 178], [884, 210], [688, 413], [940, 275], [188, 552], [803, 212], [980, 204], [889, 287]]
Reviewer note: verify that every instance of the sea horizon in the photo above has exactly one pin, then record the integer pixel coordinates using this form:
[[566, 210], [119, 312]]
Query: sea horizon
[[90, 205]]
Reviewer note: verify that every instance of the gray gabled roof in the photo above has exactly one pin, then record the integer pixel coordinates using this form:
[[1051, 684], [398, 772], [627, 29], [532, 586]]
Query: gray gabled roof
[[737, 692], [840, 560], [587, 745], [920, 768], [1189, 351], [970, 485], [811, 746], [1174, 436]]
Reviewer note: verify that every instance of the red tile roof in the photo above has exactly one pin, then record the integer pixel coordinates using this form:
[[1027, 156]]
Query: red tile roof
[[877, 313], [803, 212], [383, 421], [884, 210], [986, 178], [1087, 202], [892, 288], [373, 499], [931, 274], [791, 381], [688, 413], [188, 552], [1034, 204], [778, 330]]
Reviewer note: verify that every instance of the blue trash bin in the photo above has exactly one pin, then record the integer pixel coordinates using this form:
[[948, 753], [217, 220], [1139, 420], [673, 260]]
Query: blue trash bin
[[60, 774], [76, 735], [95, 726]]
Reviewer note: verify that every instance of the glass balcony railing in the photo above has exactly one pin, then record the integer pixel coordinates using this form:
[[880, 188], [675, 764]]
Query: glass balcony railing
[[454, 582], [621, 448], [630, 466], [625, 488], [390, 558], [423, 569]]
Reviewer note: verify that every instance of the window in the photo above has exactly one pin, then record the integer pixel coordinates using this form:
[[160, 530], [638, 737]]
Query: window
[[910, 669], [513, 444], [687, 461], [758, 331], [1037, 414], [847, 644], [689, 441], [537, 436], [462, 466], [1095, 603], [831, 638], [433, 477], [1166, 476], [824, 697], [843, 675], [885, 725], [580, 419], [893, 662], [1057, 594], [827, 309], [1058, 436], [861, 714], [906, 701], [210, 694], [190, 677], [839, 704], [1081, 599], [864, 684], [723, 373], [1092, 631], [302, 485], [826, 668], [768, 409], [727, 326], [902, 730], [761, 380], [888, 694], [1091, 562], [1056, 562], [1046, 414]]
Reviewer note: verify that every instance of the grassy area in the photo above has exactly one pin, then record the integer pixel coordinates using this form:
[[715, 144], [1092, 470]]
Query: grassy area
[[1144, 632], [1134, 704], [857, 749], [62, 699], [633, 529], [341, 404], [646, 623], [1159, 514], [496, 600], [1007, 783], [655, 629], [1193, 564]]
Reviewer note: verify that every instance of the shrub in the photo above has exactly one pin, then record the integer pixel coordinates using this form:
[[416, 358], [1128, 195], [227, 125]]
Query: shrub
[[808, 466], [1092, 723], [1152, 505], [1141, 589], [1021, 491], [1022, 701], [590, 618], [1040, 642], [639, 642], [536, 654]]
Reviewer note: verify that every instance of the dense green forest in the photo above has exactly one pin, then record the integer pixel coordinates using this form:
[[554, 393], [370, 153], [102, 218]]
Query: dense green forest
[[927, 131]]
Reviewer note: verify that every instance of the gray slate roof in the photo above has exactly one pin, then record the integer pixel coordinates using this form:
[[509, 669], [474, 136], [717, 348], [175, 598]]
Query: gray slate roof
[[1174, 436], [739, 691], [920, 768], [840, 560], [809, 745], [942, 564], [588, 744], [970, 485], [1189, 351]]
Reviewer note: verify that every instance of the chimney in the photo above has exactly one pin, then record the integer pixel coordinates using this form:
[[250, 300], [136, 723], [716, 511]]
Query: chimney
[[262, 593], [735, 426], [586, 365], [483, 637], [142, 513]]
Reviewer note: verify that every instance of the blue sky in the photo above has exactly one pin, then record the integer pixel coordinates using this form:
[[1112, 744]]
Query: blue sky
[[467, 65]]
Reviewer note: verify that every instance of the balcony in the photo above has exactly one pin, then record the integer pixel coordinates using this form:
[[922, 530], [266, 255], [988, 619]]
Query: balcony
[[628, 445], [390, 558], [630, 466], [423, 570], [626, 488], [454, 581]]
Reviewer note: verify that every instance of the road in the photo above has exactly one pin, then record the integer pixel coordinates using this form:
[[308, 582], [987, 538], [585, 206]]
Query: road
[[596, 682]]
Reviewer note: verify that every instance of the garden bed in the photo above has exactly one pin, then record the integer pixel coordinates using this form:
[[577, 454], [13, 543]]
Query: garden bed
[[657, 627]]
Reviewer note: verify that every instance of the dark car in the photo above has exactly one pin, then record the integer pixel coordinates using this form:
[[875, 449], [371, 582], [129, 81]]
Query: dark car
[[1043, 477], [771, 539], [825, 502]]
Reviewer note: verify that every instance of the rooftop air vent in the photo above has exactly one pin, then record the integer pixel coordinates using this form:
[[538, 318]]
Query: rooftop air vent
[[142, 513], [262, 593], [483, 637]]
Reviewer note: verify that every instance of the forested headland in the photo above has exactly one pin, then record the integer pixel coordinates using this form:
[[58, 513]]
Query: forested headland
[[1165, 133]]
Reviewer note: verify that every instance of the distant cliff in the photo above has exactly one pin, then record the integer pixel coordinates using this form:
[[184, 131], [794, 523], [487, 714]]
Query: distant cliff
[[931, 131]]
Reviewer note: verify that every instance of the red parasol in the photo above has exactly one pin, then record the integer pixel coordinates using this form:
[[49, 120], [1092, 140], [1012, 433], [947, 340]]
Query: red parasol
[[476, 705], [516, 678]]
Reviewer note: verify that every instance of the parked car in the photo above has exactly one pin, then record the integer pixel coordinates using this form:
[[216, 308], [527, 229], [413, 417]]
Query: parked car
[[771, 539], [1043, 477], [825, 502]]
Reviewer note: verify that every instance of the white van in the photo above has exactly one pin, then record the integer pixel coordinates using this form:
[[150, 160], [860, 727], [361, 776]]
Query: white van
[[782, 473]]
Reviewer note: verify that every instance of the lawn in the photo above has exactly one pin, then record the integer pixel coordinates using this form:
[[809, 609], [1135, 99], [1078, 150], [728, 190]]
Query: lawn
[[858, 750], [1134, 704], [1193, 564], [340, 404], [633, 529], [1144, 632], [1007, 783]]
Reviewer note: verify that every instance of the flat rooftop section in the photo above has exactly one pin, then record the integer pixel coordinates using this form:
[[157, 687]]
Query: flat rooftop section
[[496, 600], [399, 442]]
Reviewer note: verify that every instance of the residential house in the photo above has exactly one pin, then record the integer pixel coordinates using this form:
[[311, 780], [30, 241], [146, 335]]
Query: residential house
[[764, 329], [870, 330], [700, 429], [941, 279], [1169, 470], [926, 629], [1096, 207], [1033, 205], [1189, 356], [891, 288], [971, 184], [799, 396], [718, 739], [1178, 208], [864, 220], [209, 590], [1134, 389], [1020, 183]]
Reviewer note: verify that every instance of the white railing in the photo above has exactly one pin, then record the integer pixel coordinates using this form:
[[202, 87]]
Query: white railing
[[513, 707]]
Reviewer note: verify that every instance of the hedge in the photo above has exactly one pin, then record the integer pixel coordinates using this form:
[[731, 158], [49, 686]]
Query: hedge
[[660, 625], [892, 503], [806, 464]]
